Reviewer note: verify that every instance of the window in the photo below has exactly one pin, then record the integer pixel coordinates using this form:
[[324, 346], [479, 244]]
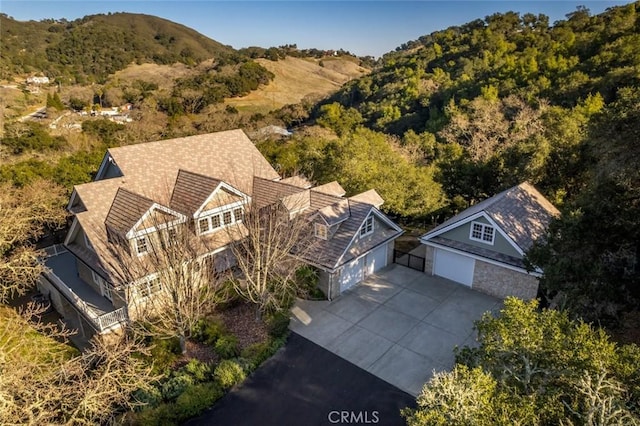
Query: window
[[172, 236], [148, 287], [482, 232], [238, 214], [321, 230], [226, 216], [141, 245], [367, 226], [203, 225], [215, 221]]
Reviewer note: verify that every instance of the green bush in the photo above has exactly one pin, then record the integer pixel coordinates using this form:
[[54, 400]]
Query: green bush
[[229, 373], [175, 386], [198, 370], [164, 353], [196, 399], [258, 353], [278, 324], [151, 397], [208, 330], [162, 415], [227, 346]]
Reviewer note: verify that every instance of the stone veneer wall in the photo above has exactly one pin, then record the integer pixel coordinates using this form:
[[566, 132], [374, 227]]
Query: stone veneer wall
[[502, 282]]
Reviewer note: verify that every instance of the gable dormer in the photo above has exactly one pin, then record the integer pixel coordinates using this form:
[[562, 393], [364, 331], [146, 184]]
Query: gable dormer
[[212, 203], [108, 168], [136, 218]]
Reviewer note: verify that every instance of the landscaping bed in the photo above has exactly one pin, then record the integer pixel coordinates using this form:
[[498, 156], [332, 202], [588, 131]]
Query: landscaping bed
[[223, 350]]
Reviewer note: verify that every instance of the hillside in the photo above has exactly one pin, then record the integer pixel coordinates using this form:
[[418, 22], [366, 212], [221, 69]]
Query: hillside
[[297, 78], [95, 46]]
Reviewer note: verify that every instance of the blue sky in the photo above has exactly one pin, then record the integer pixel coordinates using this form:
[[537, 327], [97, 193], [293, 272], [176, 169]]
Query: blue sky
[[362, 27]]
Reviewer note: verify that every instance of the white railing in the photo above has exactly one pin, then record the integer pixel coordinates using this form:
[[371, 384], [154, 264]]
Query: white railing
[[108, 320], [102, 322]]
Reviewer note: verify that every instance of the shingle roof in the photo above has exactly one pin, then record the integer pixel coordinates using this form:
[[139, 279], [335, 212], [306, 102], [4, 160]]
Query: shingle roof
[[150, 170], [299, 181], [369, 197], [521, 212], [338, 250], [126, 210], [331, 188], [191, 190], [336, 212], [267, 192]]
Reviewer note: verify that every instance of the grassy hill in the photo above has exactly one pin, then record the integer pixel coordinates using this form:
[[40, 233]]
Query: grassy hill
[[91, 48], [297, 78]]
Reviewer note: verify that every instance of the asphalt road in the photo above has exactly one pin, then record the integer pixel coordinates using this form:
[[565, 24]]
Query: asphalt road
[[304, 384]]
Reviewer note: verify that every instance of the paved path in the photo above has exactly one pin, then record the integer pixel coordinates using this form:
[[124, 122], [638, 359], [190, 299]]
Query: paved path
[[400, 324], [304, 384]]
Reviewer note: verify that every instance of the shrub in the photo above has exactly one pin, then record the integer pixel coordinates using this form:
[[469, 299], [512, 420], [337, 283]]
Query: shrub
[[227, 346], [162, 415], [175, 386], [228, 373], [258, 353], [150, 397], [199, 371], [196, 399], [208, 330], [164, 353], [278, 324]]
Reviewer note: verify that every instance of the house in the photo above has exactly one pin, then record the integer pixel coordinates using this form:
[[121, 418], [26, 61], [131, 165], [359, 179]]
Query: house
[[38, 80], [145, 192], [483, 247], [354, 238]]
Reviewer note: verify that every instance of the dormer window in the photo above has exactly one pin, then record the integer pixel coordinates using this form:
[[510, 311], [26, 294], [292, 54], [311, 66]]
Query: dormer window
[[321, 230], [367, 227], [482, 232], [215, 221], [226, 216]]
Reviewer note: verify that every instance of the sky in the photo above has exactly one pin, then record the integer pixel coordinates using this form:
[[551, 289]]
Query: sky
[[361, 27]]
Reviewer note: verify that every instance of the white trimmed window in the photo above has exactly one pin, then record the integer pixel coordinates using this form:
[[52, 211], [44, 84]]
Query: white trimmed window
[[203, 225], [172, 236], [367, 226], [321, 230], [227, 218], [141, 245], [482, 232], [238, 214], [149, 287], [215, 221]]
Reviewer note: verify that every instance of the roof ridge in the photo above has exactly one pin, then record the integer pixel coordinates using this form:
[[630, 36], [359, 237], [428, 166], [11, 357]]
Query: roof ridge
[[197, 174]]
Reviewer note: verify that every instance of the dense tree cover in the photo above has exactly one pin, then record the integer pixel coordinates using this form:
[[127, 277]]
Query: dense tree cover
[[360, 160], [191, 95], [98, 45], [535, 367], [591, 254], [507, 89], [30, 136]]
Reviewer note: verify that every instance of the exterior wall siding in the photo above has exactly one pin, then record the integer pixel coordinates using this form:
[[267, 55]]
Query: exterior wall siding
[[329, 284], [84, 272], [390, 247], [502, 282], [500, 244]]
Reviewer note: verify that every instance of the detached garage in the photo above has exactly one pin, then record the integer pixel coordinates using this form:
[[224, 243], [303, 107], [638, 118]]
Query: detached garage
[[453, 266], [483, 247]]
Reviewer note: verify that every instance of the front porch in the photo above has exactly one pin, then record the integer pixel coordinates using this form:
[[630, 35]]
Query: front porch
[[62, 283]]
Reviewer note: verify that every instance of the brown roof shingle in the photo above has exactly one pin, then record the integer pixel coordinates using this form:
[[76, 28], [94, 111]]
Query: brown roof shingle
[[191, 190], [126, 210]]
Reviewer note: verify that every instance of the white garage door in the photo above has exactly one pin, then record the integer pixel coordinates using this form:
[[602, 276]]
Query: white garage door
[[377, 260], [352, 273], [454, 266]]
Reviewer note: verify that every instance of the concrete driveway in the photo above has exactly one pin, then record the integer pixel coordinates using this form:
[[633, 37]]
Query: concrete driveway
[[400, 324]]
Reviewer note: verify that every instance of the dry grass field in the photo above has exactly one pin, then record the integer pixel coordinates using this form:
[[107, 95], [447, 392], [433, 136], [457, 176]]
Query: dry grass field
[[296, 78]]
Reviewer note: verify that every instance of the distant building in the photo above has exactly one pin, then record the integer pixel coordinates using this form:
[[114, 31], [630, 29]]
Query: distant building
[[38, 80]]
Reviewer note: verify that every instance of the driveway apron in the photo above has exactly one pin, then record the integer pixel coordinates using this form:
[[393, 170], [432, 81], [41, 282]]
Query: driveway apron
[[401, 325]]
